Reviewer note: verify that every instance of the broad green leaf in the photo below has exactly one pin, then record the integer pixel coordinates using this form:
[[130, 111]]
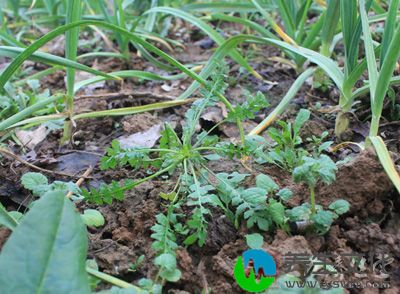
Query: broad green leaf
[[277, 211], [266, 182], [254, 241], [93, 218], [167, 262], [6, 219], [47, 251], [386, 160], [171, 276]]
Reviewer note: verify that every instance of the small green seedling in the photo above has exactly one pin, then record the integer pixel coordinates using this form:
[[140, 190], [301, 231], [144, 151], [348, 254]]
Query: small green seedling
[[321, 220], [39, 185], [188, 155], [312, 170], [286, 152], [261, 205]]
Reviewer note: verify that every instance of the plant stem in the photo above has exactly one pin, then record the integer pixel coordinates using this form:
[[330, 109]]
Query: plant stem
[[112, 280], [373, 130], [138, 182], [312, 198]]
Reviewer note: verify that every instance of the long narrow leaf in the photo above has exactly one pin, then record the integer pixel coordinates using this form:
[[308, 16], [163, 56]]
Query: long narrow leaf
[[206, 29], [27, 112], [132, 110], [74, 12], [7, 219], [50, 59], [280, 108], [390, 26], [369, 51], [332, 70], [386, 160], [128, 74]]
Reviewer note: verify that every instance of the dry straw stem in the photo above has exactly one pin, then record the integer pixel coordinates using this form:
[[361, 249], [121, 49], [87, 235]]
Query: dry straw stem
[[43, 170]]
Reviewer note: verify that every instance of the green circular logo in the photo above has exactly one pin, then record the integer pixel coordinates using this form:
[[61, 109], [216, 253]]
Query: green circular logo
[[255, 270]]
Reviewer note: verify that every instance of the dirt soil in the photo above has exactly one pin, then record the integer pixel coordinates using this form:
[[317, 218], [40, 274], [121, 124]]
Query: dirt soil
[[370, 227]]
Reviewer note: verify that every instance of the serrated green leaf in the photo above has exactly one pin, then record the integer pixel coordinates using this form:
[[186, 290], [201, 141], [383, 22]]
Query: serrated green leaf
[[301, 118], [47, 266], [323, 220], [32, 181], [285, 194], [340, 206]]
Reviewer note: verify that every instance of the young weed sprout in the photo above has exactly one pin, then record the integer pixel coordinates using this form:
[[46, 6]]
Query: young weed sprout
[[143, 144]]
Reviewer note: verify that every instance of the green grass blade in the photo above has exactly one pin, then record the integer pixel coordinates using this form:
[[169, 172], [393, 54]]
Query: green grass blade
[[26, 53], [100, 54], [330, 67], [151, 18], [394, 81], [386, 160], [330, 24], [128, 74], [36, 120], [386, 73], [10, 40], [348, 14], [50, 59], [6, 219], [280, 108], [132, 110], [243, 21], [273, 24], [206, 29], [382, 17], [357, 72], [288, 18], [220, 7], [369, 51], [74, 12], [27, 112], [390, 25]]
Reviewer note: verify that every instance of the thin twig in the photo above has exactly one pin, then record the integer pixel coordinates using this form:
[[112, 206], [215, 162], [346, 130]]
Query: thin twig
[[81, 179], [18, 158]]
